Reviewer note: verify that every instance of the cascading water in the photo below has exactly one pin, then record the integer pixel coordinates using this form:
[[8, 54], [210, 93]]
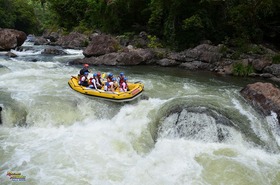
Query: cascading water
[[194, 128]]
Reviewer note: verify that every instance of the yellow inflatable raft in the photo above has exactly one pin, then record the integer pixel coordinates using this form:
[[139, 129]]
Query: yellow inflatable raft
[[134, 91]]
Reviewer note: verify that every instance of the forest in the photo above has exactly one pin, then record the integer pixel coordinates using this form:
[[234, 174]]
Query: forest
[[177, 24]]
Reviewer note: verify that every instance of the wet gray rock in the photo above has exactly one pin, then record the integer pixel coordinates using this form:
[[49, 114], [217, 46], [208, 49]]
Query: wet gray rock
[[204, 52], [167, 62], [195, 65], [41, 41], [11, 54], [51, 36], [263, 96], [273, 69], [53, 51], [260, 63]]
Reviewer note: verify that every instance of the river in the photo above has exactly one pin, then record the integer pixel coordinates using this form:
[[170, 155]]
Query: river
[[191, 128]]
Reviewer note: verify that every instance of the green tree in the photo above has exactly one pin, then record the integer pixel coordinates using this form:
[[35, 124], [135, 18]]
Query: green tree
[[25, 17], [68, 13], [125, 15], [178, 23], [170, 21], [18, 14], [7, 14]]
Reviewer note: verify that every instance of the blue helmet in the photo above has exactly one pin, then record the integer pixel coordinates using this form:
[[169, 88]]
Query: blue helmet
[[125, 79], [121, 74], [114, 79], [110, 75], [86, 73], [94, 75]]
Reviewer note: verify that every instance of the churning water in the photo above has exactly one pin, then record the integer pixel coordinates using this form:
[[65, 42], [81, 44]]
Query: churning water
[[190, 129]]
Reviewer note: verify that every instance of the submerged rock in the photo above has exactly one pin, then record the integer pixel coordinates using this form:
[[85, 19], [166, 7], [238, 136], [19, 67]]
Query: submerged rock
[[11, 54], [53, 51]]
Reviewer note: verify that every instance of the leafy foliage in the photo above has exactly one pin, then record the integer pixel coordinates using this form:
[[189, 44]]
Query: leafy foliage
[[276, 59], [239, 69], [178, 23], [154, 42], [7, 14], [17, 14]]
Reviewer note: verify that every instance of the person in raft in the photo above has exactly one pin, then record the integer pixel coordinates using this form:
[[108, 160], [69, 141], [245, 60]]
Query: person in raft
[[121, 78], [110, 77], [123, 85], [115, 84], [99, 77], [84, 69], [109, 85], [94, 82], [84, 80]]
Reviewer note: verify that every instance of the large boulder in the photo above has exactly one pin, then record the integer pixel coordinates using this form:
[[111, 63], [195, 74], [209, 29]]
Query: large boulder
[[134, 57], [260, 63], [264, 96], [74, 40], [51, 36], [204, 53], [273, 69], [101, 45], [10, 39]]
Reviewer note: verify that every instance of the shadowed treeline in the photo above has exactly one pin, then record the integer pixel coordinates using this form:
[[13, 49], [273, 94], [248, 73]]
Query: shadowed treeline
[[177, 23]]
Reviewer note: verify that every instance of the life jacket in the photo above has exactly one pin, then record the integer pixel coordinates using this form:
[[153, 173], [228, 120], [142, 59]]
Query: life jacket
[[121, 80], [90, 81], [84, 82], [123, 85], [81, 77], [108, 84], [99, 80]]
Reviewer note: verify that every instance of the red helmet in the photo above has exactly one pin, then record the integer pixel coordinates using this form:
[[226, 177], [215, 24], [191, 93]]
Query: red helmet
[[98, 74], [85, 65]]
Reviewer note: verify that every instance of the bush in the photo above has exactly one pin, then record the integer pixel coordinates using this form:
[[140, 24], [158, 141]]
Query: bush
[[154, 42], [276, 59], [239, 69]]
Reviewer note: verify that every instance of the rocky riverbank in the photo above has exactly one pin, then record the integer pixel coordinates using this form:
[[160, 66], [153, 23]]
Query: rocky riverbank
[[102, 49]]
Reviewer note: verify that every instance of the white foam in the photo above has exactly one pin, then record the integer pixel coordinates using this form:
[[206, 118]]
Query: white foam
[[26, 53]]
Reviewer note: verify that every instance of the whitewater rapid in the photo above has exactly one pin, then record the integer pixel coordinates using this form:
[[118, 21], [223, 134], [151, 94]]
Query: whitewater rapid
[[53, 135]]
